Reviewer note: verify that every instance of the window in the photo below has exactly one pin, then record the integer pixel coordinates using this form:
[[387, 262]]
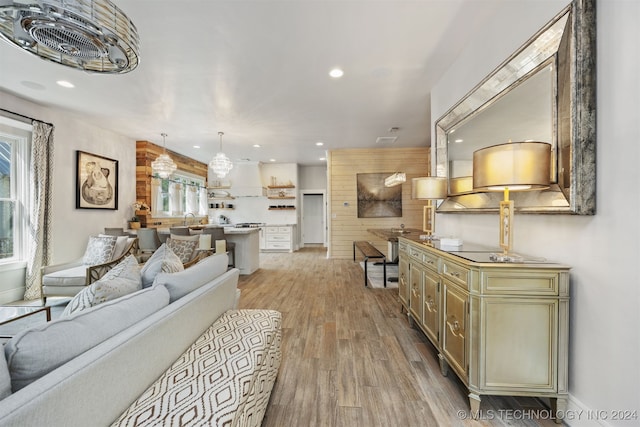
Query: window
[[180, 194], [15, 141]]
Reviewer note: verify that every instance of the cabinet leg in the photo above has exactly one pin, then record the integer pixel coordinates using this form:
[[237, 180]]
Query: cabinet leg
[[444, 366], [474, 405], [410, 319], [559, 408]]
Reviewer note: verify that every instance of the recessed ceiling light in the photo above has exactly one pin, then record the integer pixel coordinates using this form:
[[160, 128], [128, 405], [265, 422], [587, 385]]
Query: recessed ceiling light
[[319, 144], [458, 140], [272, 160], [196, 146], [336, 73], [322, 158], [256, 145], [65, 83]]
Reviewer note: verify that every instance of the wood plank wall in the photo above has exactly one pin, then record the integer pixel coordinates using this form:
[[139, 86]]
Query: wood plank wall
[[147, 152], [343, 166]]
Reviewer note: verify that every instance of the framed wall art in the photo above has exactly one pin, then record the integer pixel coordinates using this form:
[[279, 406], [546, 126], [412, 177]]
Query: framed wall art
[[96, 182], [374, 199]]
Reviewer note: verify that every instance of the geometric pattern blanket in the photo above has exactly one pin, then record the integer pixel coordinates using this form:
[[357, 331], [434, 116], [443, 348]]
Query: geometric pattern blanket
[[224, 379]]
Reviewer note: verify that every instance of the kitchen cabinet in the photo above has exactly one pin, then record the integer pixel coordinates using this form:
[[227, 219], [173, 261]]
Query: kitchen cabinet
[[278, 238], [502, 328]]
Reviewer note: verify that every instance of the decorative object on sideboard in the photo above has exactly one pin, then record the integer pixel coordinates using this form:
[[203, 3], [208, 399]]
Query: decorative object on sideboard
[[96, 182], [163, 165], [92, 35], [220, 164], [428, 188], [514, 166], [395, 179]]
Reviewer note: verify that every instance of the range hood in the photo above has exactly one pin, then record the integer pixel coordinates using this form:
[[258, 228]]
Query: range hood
[[246, 181]]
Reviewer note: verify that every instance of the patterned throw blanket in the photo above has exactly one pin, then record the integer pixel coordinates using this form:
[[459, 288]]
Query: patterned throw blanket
[[224, 379]]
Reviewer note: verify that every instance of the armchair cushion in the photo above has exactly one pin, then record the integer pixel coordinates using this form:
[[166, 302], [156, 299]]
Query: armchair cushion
[[184, 246], [99, 250], [163, 260], [74, 276], [121, 280]]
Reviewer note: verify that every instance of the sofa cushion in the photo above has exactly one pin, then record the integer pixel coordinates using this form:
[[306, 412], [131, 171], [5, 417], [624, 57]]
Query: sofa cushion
[[99, 250], [121, 280], [37, 351], [74, 276], [181, 283], [163, 260], [5, 378], [184, 246]]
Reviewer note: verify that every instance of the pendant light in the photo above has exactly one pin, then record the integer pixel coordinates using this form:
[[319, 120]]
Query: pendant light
[[220, 164], [163, 165]]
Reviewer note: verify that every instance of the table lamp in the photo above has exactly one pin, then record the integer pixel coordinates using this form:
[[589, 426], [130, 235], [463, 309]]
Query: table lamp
[[514, 166], [429, 188]]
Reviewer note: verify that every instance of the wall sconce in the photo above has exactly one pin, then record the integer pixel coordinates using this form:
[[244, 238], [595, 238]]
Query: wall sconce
[[395, 179], [515, 166], [429, 188]]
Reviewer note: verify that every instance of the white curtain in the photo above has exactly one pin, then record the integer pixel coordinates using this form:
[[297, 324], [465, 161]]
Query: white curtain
[[40, 196], [204, 203], [175, 198], [192, 199], [156, 196]]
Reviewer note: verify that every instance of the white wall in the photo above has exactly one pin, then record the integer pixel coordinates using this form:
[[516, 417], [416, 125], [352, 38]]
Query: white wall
[[71, 226], [603, 250], [312, 177]]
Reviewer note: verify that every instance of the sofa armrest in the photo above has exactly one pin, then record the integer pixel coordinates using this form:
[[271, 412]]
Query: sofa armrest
[[95, 272]]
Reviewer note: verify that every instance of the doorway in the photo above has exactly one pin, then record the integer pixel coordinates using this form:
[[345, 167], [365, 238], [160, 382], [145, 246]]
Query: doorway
[[313, 212]]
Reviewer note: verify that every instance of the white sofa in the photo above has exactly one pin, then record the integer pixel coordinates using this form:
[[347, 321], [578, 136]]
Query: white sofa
[[136, 345]]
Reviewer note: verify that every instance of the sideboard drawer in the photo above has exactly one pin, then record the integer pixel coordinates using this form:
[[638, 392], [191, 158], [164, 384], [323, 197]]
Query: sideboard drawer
[[456, 273]]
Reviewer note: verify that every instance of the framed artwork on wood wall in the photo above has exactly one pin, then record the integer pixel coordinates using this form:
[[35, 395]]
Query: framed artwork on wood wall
[[374, 199], [96, 182]]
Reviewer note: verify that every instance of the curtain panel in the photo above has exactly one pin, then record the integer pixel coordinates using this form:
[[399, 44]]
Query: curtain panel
[[40, 199]]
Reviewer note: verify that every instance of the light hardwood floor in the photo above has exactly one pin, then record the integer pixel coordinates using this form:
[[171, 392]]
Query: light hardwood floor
[[350, 357]]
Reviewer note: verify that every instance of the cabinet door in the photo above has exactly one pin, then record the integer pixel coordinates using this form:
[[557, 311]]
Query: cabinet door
[[431, 306], [454, 336], [416, 275], [403, 281]]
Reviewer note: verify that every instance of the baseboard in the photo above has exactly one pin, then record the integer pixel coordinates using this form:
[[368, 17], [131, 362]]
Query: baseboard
[[579, 415]]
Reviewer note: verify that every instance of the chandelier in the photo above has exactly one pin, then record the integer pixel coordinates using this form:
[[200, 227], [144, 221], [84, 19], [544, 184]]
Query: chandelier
[[92, 35], [220, 164], [163, 165]]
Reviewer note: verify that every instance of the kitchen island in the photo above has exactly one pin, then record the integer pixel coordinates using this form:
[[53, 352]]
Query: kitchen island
[[247, 248]]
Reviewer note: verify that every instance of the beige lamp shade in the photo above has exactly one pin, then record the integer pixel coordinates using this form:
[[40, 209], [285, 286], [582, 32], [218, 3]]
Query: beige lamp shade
[[460, 185], [429, 187], [516, 166]]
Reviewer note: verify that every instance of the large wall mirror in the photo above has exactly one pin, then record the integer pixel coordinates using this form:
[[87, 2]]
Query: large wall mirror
[[544, 92]]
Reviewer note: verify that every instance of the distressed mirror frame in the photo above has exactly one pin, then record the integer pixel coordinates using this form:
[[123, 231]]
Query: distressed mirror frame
[[573, 191]]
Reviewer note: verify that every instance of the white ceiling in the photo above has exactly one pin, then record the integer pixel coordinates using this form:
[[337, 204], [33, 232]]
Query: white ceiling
[[258, 71]]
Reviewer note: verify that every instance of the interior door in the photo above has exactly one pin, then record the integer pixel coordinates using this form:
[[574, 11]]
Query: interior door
[[312, 219]]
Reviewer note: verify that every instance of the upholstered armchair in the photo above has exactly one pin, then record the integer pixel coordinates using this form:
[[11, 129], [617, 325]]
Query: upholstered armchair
[[102, 254]]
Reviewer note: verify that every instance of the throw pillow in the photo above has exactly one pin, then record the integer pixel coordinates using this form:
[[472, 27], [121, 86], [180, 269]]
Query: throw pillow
[[163, 260], [122, 242], [183, 246], [99, 250], [181, 283], [121, 280]]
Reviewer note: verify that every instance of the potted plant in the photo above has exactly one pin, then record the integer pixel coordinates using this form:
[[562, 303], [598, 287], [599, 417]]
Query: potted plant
[[134, 223]]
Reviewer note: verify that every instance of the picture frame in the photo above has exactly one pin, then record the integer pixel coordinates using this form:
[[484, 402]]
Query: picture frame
[[96, 181], [375, 200]]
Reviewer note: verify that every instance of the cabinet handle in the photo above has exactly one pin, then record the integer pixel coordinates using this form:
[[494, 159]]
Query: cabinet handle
[[454, 327], [430, 304], [455, 274]]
